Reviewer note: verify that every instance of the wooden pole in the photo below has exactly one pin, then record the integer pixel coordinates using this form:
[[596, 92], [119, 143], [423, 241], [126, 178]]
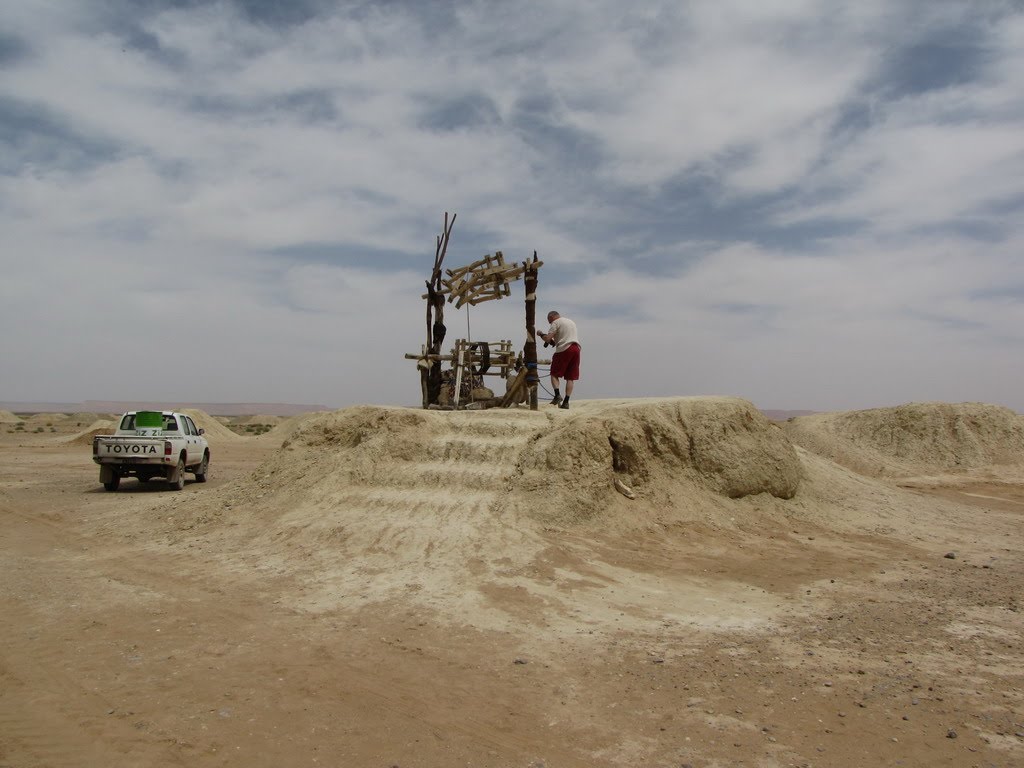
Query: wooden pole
[[431, 376], [530, 348]]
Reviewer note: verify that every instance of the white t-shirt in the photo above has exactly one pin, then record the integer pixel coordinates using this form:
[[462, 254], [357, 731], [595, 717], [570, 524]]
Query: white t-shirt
[[564, 331]]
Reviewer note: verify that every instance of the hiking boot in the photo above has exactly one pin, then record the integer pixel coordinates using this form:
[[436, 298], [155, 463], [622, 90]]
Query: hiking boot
[[556, 400], [564, 405]]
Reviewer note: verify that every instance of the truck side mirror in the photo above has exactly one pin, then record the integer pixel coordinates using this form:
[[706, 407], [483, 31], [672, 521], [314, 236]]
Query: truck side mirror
[[202, 431]]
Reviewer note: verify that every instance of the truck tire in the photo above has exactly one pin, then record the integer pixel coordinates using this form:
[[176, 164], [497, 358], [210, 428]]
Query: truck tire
[[177, 479], [113, 483], [203, 469]]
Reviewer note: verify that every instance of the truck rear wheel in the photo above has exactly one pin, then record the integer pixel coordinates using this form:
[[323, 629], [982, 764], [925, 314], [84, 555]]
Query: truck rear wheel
[[177, 480], [203, 469], [113, 484]]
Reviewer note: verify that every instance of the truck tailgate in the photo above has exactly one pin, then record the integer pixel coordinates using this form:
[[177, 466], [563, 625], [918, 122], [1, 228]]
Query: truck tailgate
[[127, 447]]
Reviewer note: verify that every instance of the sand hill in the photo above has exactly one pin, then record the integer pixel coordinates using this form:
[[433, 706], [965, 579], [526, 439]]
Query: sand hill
[[45, 418], [98, 427], [914, 439], [213, 429], [86, 417], [259, 418], [423, 497], [7, 417], [451, 501], [562, 470], [287, 427]]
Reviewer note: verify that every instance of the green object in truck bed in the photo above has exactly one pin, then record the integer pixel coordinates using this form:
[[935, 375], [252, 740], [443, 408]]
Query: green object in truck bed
[[149, 420]]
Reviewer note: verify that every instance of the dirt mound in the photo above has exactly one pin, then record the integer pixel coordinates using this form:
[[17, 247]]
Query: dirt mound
[[259, 418], [561, 469], [7, 417], [434, 500], [660, 450], [45, 418], [286, 428], [913, 439], [98, 427], [85, 417], [215, 431], [458, 508]]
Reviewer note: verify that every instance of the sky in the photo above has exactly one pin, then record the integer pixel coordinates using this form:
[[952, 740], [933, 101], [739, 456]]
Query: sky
[[809, 204]]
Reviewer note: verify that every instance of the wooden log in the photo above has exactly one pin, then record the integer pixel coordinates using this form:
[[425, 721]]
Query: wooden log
[[530, 348], [436, 331], [488, 260], [458, 375], [517, 384], [481, 300]]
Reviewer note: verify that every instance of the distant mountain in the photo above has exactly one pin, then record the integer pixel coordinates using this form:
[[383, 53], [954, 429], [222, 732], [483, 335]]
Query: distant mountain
[[119, 406]]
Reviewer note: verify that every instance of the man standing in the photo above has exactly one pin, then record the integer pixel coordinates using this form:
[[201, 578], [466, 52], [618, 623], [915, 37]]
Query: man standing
[[566, 361]]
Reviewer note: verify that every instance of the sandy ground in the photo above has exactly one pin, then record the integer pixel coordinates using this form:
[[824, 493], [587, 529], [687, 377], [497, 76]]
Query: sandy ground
[[326, 603]]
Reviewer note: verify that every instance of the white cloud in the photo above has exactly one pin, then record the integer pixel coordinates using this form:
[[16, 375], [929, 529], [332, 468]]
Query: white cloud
[[255, 193]]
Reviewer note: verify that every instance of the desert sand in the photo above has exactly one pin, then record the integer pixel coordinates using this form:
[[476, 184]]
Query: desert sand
[[655, 582]]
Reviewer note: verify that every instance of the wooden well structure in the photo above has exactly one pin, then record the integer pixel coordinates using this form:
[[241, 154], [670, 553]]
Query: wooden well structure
[[461, 386]]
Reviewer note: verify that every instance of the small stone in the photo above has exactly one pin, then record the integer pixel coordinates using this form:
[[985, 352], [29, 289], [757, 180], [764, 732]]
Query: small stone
[[520, 661], [950, 734], [950, 555]]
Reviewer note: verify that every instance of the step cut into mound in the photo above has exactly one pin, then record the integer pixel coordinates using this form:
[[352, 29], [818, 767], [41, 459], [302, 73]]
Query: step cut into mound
[[914, 439]]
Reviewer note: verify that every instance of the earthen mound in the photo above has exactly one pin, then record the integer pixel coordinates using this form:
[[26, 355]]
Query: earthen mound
[[259, 418], [98, 427], [84, 417], [213, 429], [285, 428], [7, 417], [660, 449], [914, 439], [557, 468], [45, 418]]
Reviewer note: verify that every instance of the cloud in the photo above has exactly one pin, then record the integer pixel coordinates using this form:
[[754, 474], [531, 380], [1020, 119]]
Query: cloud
[[812, 206]]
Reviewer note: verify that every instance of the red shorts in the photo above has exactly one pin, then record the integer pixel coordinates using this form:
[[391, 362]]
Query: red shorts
[[566, 364]]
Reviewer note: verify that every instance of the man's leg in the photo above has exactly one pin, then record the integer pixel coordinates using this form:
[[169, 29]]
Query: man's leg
[[572, 372], [568, 394], [557, 399]]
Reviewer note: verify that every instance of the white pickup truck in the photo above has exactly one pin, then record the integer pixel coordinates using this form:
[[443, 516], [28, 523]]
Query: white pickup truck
[[150, 444]]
